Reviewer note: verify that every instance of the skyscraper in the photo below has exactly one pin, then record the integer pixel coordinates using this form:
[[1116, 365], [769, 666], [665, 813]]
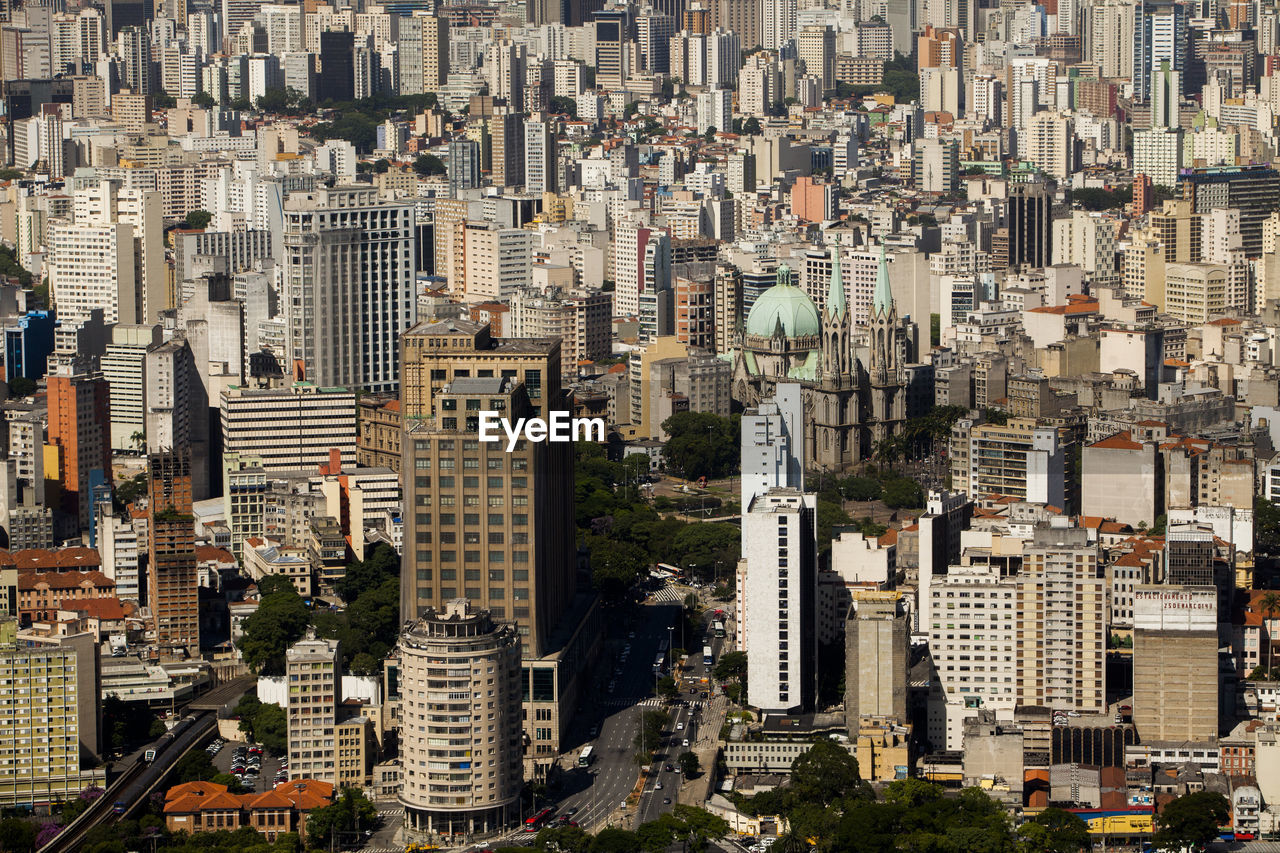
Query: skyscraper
[[172, 582], [337, 67], [349, 285], [1028, 220], [471, 655], [79, 426], [423, 53], [463, 165], [313, 669], [499, 530], [1159, 35], [877, 652], [779, 581], [778, 22], [1175, 662], [613, 58], [540, 166]]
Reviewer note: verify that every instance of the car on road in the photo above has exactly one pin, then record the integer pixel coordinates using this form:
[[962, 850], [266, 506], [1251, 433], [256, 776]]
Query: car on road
[[679, 727], [657, 787], [666, 801], [668, 768], [684, 742]]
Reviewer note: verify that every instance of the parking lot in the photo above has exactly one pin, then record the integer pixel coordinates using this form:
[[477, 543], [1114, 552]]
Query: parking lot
[[223, 760]]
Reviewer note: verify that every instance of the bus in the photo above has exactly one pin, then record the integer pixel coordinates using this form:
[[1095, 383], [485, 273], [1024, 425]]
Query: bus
[[707, 657], [535, 823], [659, 662], [586, 757], [717, 627]]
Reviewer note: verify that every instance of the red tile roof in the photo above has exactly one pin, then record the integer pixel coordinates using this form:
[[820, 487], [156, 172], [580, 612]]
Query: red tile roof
[[1119, 441], [62, 580]]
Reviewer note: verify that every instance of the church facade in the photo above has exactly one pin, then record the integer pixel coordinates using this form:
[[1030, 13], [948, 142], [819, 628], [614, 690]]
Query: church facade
[[849, 406]]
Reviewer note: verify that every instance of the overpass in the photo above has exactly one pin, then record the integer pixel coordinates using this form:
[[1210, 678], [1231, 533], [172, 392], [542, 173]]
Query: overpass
[[138, 781]]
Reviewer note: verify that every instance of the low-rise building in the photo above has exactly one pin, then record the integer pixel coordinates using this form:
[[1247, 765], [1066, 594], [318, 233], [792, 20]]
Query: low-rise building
[[208, 807]]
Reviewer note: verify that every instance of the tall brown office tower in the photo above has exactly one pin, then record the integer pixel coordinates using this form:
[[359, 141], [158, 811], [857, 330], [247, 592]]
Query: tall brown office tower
[[490, 521], [172, 584]]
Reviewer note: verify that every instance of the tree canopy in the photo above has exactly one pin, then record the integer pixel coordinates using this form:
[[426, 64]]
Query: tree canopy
[[701, 444], [280, 621], [1191, 820]]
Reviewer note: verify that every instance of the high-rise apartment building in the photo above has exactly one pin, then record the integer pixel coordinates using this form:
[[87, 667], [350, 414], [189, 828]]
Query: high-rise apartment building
[[1019, 459], [497, 261], [176, 408], [641, 265], [1027, 219], [460, 671], [314, 667], [423, 53], [1159, 35], [483, 523], [877, 654], [777, 23], [1175, 662], [1062, 622], [51, 719], [816, 48], [172, 582], [1250, 189], [580, 321], [122, 368], [289, 429], [463, 166], [80, 430], [540, 166], [336, 80], [348, 286], [779, 581]]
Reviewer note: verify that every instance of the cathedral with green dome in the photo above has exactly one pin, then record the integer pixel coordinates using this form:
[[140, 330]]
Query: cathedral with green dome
[[848, 406]]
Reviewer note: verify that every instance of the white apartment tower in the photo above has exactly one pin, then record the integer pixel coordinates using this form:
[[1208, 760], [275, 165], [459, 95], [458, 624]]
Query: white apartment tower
[[349, 285], [460, 677], [314, 667], [779, 593]]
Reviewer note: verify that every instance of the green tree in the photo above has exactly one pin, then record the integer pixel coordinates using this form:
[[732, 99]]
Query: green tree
[[17, 836], [701, 444], [564, 106], [204, 100], [789, 842], [825, 773], [1191, 820], [429, 164], [903, 493], [279, 622], [379, 565], [614, 840], [343, 821], [751, 127], [615, 565], [194, 767], [690, 766], [647, 739], [667, 687], [911, 793], [1054, 830], [232, 783], [1266, 524], [273, 101], [21, 386], [198, 219], [162, 100], [861, 489], [698, 547], [732, 666]]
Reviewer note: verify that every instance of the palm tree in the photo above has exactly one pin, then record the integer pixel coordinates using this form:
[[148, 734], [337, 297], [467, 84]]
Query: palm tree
[[139, 439], [1270, 603], [789, 842]]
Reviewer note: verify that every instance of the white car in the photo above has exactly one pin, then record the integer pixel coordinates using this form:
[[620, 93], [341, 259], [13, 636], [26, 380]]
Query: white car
[[679, 727]]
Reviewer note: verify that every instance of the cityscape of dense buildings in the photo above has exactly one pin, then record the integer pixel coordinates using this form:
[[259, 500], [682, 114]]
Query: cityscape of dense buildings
[[934, 350]]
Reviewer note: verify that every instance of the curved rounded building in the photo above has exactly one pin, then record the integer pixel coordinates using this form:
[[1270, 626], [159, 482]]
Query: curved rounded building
[[460, 723]]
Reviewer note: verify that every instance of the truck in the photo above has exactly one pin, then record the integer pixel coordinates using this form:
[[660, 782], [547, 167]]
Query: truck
[[717, 628], [707, 657]]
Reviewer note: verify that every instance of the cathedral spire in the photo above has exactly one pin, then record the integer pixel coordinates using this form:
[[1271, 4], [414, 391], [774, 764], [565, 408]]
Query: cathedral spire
[[882, 302], [835, 294]]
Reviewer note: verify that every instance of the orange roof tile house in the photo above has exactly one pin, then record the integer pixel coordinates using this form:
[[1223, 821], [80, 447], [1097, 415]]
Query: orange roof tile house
[[208, 807]]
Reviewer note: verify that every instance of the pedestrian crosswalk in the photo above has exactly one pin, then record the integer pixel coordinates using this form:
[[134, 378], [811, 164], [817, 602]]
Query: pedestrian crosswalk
[[391, 811], [633, 702], [668, 593]]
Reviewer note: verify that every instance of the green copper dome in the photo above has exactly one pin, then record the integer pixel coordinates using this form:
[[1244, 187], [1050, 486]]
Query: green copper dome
[[786, 304]]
